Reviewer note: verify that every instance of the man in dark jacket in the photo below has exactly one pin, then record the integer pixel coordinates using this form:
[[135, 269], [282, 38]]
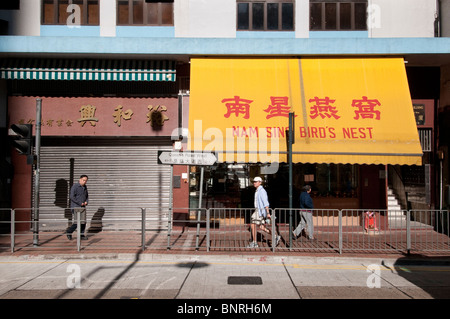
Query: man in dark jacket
[[306, 204], [79, 198]]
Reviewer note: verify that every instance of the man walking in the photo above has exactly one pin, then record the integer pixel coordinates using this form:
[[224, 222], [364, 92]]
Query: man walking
[[261, 213], [79, 198], [306, 219]]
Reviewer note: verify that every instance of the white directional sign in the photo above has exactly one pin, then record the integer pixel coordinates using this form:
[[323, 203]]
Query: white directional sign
[[186, 158]]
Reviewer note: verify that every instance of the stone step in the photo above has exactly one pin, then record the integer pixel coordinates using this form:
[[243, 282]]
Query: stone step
[[395, 212]]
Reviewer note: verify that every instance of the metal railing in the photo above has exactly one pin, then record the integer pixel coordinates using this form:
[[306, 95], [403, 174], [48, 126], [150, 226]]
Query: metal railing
[[325, 230], [187, 228], [124, 230], [228, 229], [364, 230], [432, 230]]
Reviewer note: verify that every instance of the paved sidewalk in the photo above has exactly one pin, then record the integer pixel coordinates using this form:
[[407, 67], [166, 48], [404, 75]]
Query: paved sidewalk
[[220, 277], [113, 265]]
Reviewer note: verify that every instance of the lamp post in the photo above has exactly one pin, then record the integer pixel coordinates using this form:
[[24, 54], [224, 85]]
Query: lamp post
[[291, 141], [37, 173]]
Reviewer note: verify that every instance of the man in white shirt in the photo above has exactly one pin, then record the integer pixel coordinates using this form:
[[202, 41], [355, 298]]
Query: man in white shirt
[[261, 213]]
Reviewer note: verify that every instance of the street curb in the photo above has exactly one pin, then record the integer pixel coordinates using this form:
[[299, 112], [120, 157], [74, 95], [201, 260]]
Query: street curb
[[236, 258]]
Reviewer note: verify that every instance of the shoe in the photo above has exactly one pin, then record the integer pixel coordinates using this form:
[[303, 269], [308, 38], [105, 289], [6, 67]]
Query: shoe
[[277, 240], [253, 245], [69, 236], [84, 237], [311, 238]]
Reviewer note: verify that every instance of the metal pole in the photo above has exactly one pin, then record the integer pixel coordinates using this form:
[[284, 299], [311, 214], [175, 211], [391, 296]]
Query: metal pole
[[13, 229], [170, 221], [340, 232], [199, 206], [408, 232], [274, 233], [208, 229], [37, 173], [291, 133], [143, 211], [78, 212], [441, 193]]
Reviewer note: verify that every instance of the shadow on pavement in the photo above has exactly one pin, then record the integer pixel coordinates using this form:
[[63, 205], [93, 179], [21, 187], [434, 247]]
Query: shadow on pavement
[[431, 274]]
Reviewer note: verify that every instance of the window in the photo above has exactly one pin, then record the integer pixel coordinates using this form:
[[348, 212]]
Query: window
[[55, 11], [344, 15], [253, 15], [145, 12]]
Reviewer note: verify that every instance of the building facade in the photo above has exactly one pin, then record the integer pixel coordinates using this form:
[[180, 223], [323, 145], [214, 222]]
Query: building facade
[[121, 80]]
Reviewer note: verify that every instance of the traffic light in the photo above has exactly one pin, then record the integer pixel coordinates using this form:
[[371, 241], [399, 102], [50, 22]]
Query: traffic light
[[22, 141]]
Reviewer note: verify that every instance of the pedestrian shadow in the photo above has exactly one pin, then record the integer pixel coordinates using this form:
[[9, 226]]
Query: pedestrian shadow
[[431, 274], [96, 225]]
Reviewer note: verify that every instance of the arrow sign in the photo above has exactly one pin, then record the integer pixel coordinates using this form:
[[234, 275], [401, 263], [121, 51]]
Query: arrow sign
[[186, 158]]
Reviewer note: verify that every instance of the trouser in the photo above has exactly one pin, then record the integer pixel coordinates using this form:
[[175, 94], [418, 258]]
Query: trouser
[[305, 220], [82, 211]]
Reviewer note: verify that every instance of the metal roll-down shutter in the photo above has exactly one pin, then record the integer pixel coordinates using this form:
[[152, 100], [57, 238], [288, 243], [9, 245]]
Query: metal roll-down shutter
[[122, 180]]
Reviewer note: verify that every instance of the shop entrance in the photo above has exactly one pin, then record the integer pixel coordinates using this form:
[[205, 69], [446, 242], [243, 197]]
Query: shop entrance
[[373, 187], [334, 186]]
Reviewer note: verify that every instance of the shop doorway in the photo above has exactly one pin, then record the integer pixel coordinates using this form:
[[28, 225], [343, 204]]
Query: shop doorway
[[334, 186]]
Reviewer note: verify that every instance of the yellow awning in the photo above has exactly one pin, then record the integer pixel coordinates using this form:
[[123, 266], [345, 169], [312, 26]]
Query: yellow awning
[[347, 110]]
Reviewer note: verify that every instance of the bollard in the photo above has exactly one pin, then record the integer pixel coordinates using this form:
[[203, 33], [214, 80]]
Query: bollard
[[78, 213], [408, 232], [340, 232], [208, 229], [169, 228], [144, 212], [13, 228]]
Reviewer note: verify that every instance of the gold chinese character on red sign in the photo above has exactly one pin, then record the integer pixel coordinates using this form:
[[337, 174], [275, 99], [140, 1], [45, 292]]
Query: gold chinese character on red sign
[[155, 115], [88, 115], [119, 114]]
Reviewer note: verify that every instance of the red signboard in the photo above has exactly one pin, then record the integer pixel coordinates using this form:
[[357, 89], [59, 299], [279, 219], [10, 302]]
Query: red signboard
[[98, 116]]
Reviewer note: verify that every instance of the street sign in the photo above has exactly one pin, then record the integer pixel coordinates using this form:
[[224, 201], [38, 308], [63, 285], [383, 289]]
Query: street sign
[[186, 158]]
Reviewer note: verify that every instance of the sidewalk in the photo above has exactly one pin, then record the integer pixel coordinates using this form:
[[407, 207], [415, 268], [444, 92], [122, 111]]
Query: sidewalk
[[219, 278], [114, 265]]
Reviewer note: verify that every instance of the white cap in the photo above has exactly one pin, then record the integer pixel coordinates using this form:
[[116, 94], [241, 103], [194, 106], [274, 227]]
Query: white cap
[[257, 179]]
